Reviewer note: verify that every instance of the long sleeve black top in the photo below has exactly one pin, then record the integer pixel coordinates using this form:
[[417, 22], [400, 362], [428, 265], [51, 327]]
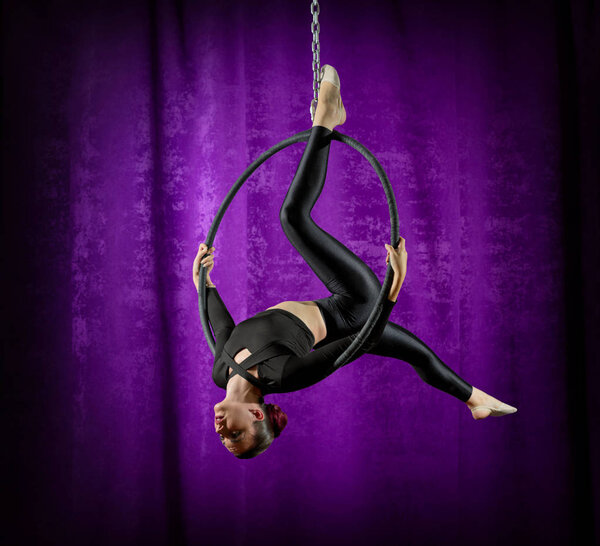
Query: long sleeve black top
[[286, 361]]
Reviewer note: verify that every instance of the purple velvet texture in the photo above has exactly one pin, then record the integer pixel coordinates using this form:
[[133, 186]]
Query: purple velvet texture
[[126, 127]]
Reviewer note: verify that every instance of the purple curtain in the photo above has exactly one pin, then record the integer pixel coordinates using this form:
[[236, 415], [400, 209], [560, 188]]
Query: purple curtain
[[124, 126]]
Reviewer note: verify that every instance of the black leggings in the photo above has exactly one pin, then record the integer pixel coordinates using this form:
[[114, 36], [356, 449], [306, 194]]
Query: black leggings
[[353, 286]]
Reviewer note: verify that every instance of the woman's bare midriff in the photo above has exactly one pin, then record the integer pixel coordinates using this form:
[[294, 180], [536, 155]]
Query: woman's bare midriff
[[307, 311]]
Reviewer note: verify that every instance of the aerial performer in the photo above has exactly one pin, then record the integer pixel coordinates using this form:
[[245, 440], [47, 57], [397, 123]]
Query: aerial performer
[[294, 344]]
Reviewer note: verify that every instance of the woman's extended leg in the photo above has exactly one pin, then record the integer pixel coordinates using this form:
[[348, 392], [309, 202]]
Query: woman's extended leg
[[353, 284], [398, 342]]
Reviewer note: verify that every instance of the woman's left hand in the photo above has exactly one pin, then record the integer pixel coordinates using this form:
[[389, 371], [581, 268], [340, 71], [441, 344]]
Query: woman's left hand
[[399, 258], [203, 258]]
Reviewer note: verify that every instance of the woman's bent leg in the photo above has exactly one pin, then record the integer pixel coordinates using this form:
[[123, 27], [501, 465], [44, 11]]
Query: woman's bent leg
[[400, 343], [353, 285]]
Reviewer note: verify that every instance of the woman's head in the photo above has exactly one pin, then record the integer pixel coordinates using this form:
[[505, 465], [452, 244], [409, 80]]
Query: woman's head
[[248, 429]]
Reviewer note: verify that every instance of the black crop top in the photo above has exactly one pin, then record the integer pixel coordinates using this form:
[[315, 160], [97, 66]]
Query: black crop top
[[280, 343]]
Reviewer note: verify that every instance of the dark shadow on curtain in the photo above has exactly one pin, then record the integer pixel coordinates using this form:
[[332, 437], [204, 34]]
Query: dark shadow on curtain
[[578, 53], [170, 422]]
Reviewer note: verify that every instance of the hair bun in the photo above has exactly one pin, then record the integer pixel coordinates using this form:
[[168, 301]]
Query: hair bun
[[277, 417]]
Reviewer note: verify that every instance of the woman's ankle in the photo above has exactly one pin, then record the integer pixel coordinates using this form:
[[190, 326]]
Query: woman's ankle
[[325, 121], [330, 111], [476, 398], [323, 127]]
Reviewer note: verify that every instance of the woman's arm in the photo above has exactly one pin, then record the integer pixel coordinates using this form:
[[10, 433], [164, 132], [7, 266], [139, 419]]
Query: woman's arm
[[218, 315], [219, 318]]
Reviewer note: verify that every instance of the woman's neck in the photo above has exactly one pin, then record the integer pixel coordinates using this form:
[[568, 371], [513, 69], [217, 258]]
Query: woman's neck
[[241, 390]]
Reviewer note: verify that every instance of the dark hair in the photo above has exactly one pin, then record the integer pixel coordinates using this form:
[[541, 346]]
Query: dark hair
[[267, 430]]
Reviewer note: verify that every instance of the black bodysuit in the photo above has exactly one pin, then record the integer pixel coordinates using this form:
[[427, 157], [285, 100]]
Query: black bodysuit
[[281, 344]]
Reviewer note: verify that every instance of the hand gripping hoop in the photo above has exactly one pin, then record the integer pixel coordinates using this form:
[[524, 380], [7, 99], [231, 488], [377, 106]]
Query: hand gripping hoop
[[361, 336]]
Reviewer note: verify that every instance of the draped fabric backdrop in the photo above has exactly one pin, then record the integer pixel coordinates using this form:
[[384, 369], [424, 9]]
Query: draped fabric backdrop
[[124, 126]]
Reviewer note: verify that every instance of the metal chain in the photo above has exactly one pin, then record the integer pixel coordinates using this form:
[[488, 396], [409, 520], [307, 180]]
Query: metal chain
[[316, 51]]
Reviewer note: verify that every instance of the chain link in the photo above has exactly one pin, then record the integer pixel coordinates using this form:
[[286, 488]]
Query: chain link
[[316, 53]]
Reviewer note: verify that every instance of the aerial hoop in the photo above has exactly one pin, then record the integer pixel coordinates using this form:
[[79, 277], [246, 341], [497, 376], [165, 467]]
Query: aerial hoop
[[361, 336]]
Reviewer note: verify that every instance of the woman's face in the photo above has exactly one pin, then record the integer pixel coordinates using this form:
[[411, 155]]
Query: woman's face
[[234, 424]]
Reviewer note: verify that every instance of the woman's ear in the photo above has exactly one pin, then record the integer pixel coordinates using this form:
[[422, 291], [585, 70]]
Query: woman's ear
[[260, 416]]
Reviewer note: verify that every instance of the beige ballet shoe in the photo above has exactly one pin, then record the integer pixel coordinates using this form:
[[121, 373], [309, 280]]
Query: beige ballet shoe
[[498, 411], [329, 74]]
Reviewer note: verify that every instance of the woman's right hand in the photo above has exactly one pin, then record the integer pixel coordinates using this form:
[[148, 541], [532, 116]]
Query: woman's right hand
[[398, 257], [200, 260]]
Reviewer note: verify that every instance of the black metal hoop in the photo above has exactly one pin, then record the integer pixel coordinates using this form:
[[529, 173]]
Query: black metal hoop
[[361, 336]]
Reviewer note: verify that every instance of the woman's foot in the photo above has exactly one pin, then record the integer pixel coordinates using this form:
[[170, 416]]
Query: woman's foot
[[330, 110], [493, 406]]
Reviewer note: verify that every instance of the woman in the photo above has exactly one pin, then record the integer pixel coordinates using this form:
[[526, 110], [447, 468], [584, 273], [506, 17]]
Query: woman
[[271, 351]]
